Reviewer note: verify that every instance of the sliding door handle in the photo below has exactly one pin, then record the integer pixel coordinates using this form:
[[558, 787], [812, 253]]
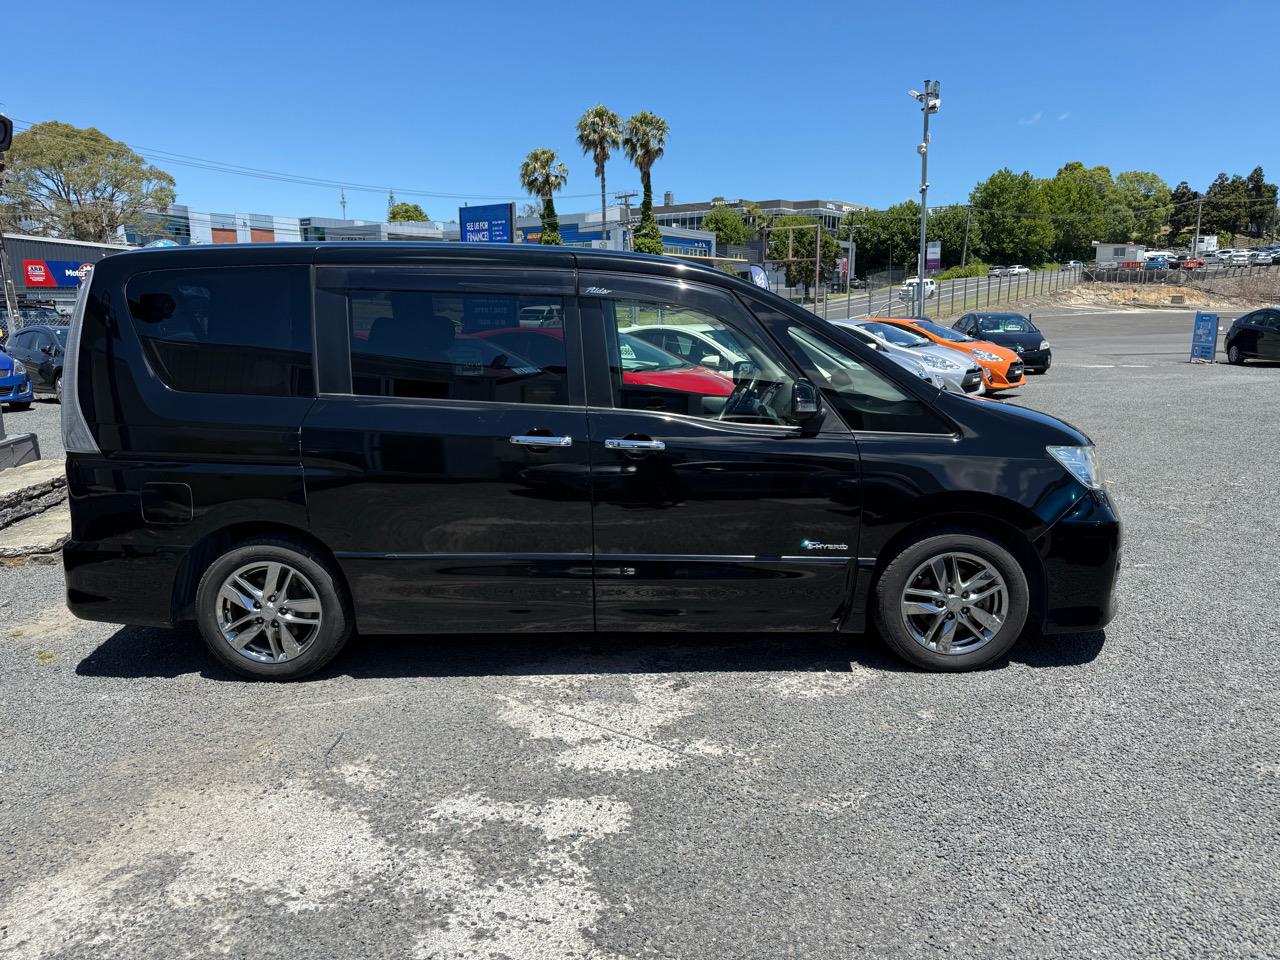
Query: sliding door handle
[[627, 445], [534, 440]]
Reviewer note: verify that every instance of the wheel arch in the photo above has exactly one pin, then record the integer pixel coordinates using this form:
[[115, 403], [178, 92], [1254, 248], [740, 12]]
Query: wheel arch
[[987, 515], [217, 542]]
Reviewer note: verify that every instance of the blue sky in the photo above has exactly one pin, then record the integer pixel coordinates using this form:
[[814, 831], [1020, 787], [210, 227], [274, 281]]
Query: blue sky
[[764, 100]]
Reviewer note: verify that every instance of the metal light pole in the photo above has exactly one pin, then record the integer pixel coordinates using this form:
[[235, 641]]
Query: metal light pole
[[929, 103]]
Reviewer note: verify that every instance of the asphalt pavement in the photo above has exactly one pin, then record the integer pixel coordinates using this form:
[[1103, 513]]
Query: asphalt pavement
[[1113, 794]]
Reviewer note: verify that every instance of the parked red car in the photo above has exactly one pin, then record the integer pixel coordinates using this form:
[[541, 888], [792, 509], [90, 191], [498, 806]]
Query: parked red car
[[643, 364]]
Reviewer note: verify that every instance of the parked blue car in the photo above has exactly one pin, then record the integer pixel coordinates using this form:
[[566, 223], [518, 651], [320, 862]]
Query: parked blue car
[[1156, 263], [15, 384]]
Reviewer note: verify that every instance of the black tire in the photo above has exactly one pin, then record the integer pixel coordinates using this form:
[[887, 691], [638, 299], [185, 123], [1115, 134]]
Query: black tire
[[887, 609], [1234, 355], [335, 608], [19, 407]]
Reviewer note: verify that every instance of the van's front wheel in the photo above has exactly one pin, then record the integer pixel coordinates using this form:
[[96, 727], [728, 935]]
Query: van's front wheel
[[273, 610], [952, 600]]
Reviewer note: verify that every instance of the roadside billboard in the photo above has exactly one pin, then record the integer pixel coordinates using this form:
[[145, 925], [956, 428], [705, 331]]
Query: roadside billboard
[[933, 255], [54, 273], [489, 223]]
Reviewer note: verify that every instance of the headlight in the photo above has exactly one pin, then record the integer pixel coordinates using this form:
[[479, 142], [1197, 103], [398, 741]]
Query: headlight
[[938, 363], [985, 355], [1044, 344], [1081, 463], [18, 369]]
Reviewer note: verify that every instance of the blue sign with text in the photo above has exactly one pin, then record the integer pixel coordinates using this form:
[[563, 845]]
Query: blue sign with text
[[490, 223], [1204, 337]]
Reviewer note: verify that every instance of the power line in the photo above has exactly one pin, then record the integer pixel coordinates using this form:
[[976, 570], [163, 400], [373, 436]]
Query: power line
[[258, 173]]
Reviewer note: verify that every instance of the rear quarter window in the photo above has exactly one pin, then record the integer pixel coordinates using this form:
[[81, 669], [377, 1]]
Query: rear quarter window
[[227, 330]]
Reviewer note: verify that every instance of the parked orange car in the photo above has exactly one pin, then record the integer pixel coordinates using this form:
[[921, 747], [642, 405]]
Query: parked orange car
[[1001, 367]]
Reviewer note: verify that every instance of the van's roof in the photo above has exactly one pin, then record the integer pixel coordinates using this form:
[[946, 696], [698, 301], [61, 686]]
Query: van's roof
[[392, 251]]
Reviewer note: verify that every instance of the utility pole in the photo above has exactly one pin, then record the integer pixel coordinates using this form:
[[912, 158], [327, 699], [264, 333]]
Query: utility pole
[[964, 257], [1195, 240], [342, 201], [625, 225], [929, 103]]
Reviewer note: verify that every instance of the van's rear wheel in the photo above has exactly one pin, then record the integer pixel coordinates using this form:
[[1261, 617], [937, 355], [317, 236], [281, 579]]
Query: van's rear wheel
[[273, 610], [952, 600]]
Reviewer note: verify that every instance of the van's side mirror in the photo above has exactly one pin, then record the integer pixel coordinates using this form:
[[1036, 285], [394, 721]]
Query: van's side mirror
[[806, 402]]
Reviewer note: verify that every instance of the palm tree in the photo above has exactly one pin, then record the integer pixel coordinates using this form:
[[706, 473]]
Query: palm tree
[[643, 141], [599, 132], [542, 174]]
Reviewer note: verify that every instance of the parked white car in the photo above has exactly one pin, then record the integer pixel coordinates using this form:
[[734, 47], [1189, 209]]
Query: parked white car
[[1016, 270], [701, 344], [907, 291], [1261, 258]]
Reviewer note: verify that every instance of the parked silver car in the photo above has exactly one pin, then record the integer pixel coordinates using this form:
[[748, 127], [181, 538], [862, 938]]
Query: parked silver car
[[958, 371]]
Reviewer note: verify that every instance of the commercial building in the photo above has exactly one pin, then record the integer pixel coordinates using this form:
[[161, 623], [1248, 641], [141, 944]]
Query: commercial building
[[690, 215], [185, 226], [583, 230], [46, 269]]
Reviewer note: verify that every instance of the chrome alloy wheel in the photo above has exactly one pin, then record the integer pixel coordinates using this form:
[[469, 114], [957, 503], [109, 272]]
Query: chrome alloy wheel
[[954, 603], [268, 611]]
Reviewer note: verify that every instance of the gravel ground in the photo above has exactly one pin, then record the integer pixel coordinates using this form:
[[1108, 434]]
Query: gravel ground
[[1110, 794], [44, 419]]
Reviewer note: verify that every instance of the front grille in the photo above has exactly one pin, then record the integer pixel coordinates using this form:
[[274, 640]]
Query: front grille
[[1015, 371], [972, 380]]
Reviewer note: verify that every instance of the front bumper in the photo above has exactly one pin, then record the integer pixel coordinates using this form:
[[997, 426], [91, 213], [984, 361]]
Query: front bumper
[[15, 389], [1011, 376], [963, 381], [1036, 359], [1081, 558]]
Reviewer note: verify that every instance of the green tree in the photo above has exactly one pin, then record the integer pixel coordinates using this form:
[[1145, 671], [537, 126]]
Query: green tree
[[1182, 210], [798, 252], [1013, 214], [727, 224], [1226, 207], [406, 213], [884, 237], [1082, 204], [644, 140], [599, 134], [1262, 205], [81, 184], [1147, 198], [542, 175]]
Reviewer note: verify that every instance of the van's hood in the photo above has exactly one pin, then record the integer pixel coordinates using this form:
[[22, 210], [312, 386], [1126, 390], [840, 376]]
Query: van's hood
[[985, 415]]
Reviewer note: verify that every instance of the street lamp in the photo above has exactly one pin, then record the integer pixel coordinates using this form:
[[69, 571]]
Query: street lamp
[[929, 103]]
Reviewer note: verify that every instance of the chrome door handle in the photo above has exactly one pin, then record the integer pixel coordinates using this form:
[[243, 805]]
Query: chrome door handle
[[537, 441], [633, 446]]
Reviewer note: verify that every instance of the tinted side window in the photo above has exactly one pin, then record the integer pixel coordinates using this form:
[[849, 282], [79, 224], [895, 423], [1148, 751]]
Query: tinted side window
[[237, 330], [502, 348]]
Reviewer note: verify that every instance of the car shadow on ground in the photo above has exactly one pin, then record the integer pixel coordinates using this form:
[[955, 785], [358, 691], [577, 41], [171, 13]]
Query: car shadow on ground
[[137, 652]]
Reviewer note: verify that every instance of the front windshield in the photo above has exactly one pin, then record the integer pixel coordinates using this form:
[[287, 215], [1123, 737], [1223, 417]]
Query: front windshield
[[955, 336], [640, 356], [895, 335], [1009, 323]]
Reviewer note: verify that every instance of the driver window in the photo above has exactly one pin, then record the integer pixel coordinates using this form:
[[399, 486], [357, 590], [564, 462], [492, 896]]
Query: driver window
[[677, 359], [865, 400]]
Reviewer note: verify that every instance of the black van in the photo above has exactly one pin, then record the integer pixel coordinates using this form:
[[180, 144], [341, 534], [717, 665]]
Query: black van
[[286, 443]]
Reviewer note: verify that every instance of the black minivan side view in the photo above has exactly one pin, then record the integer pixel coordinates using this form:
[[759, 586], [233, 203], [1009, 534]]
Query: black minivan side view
[[289, 442]]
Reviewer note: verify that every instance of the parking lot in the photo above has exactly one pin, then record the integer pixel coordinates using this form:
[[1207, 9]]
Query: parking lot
[[1111, 794]]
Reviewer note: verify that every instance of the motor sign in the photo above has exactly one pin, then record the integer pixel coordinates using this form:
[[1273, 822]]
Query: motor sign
[[55, 273], [1204, 337]]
